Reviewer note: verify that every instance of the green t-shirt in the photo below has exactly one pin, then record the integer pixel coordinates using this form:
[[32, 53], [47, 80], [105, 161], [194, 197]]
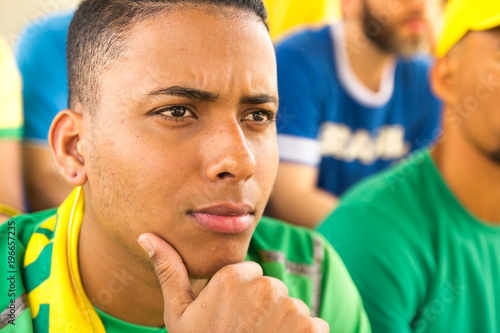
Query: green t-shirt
[[421, 261], [302, 259]]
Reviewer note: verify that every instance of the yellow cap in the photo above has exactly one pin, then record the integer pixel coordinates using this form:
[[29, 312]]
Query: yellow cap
[[462, 16]]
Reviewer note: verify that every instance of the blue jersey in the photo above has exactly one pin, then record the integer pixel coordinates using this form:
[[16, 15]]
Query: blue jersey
[[329, 119], [41, 56]]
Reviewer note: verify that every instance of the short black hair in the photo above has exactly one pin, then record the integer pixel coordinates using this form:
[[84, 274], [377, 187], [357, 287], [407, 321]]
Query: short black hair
[[98, 29]]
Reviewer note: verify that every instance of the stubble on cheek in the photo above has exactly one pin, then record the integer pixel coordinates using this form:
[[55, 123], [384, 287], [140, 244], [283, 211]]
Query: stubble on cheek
[[110, 198]]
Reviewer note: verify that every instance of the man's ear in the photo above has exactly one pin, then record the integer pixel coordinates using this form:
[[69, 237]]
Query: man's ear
[[443, 79], [64, 140]]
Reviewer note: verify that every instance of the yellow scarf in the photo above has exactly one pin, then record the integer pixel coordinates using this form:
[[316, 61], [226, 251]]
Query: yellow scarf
[[69, 309]]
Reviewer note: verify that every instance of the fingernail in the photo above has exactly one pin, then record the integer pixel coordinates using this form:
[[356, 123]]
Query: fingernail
[[146, 246]]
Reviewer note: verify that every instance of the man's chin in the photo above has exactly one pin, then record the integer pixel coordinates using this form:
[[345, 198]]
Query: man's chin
[[407, 48]]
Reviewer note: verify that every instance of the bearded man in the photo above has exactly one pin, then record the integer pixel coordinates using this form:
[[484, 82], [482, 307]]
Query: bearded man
[[354, 97]]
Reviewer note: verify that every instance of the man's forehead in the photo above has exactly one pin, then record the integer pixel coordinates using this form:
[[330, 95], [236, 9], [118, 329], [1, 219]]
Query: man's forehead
[[175, 50], [196, 29], [191, 17], [186, 25]]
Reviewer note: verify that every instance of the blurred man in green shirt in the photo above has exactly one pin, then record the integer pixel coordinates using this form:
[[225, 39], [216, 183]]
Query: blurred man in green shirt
[[422, 240]]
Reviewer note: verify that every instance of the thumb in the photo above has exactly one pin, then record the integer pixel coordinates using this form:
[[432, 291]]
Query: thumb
[[172, 274]]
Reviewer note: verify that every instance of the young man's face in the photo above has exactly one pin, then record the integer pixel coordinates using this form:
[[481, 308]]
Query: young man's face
[[397, 26], [477, 95], [183, 144]]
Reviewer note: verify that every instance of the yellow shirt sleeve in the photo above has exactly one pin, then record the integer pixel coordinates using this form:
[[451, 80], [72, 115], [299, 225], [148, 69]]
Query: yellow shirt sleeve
[[11, 115], [287, 16]]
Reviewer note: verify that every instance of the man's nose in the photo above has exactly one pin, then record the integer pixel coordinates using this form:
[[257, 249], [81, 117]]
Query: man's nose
[[228, 156]]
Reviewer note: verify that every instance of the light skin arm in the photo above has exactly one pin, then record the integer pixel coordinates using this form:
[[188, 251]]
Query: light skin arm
[[296, 198], [11, 190], [44, 186]]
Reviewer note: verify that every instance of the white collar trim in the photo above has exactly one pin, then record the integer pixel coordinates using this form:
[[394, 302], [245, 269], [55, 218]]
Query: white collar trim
[[348, 79]]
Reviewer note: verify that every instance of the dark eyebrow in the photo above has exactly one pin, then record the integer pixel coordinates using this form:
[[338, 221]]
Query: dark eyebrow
[[190, 93], [259, 99]]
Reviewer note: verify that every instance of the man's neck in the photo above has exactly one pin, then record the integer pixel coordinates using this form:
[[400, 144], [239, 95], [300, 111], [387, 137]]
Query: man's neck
[[367, 61], [472, 176], [118, 282]]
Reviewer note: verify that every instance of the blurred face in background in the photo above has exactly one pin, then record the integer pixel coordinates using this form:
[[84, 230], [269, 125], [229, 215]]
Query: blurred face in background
[[475, 102], [398, 26]]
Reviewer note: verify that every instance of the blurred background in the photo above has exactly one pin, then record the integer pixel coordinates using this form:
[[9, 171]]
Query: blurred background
[[15, 14]]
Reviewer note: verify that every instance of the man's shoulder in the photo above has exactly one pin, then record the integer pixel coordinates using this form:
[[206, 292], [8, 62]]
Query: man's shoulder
[[297, 244], [388, 215], [312, 271], [391, 211], [388, 200], [397, 182], [383, 231], [296, 250], [14, 237]]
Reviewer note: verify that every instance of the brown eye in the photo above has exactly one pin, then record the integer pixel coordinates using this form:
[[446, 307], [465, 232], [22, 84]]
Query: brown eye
[[177, 112], [259, 116]]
